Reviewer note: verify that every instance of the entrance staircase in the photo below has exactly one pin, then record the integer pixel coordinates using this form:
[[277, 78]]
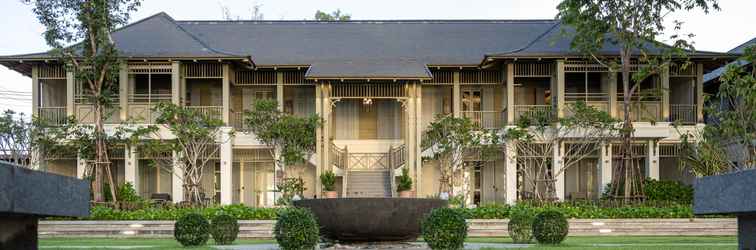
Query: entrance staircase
[[368, 174]]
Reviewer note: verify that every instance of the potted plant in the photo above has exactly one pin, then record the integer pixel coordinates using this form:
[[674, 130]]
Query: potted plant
[[404, 186], [328, 179]]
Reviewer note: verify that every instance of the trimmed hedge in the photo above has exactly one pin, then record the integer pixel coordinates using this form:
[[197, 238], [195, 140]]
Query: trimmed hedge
[[192, 230], [574, 210], [296, 229], [550, 227], [444, 228], [224, 229]]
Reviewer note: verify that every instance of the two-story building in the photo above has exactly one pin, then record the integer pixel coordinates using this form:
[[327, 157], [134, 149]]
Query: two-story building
[[377, 85]]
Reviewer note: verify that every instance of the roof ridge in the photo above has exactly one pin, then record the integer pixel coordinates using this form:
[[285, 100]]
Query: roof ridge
[[376, 21]]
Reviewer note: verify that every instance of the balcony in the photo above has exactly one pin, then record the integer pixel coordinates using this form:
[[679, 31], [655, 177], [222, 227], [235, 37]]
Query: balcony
[[641, 111], [236, 120], [533, 110], [486, 119], [599, 101], [212, 112], [52, 115], [683, 113]]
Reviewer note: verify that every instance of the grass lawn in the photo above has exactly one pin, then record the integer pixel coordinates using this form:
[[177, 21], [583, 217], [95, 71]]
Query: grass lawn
[[576, 242]]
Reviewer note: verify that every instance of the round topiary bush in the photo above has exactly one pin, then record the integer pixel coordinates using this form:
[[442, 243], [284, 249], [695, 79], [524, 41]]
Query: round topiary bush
[[296, 229], [444, 228], [520, 225], [191, 230], [224, 229], [550, 227]]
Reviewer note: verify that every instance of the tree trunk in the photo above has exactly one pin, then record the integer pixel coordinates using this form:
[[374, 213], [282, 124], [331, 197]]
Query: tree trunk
[[627, 174]]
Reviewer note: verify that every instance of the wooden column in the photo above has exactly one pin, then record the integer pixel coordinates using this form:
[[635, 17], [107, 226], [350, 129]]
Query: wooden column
[[699, 93], [418, 137], [560, 89], [70, 88], [325, 156], [664, 77], [176, 82], [320, 166], [612, 76], [510, 94], [456, 96], [226, 93], [123, 91], [280, 90], [35, 90]]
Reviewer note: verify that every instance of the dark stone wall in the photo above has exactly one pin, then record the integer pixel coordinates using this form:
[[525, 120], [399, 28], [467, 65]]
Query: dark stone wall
[[747, 232], [18, 231], [732, 193], [30, 192]]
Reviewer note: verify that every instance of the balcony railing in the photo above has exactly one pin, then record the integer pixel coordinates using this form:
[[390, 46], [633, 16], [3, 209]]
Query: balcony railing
[[533, 110], [52, 115], [236, 120], [641, 111], [486, 119], [212, 112], [683, 113]]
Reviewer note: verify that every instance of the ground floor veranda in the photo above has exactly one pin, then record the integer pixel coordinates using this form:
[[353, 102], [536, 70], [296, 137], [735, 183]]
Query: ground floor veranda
[[247, 175]]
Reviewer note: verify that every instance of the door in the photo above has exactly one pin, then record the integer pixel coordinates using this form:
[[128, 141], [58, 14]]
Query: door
[[471, 104]]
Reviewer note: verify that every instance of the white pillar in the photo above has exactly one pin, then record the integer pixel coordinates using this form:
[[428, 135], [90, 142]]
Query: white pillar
[[613, 105], [81, 167], [410, 125], [664, 75], [131, 171], [418, 138], [557, 165], [123, 91], [280, 91], [511, 173], [605, 167], [226, 169], [177, 181], [319, 151], [652, 161], [35, 90]]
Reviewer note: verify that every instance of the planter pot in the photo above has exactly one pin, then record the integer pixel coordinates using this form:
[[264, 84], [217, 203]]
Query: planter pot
[[331, 194], [405, 194]]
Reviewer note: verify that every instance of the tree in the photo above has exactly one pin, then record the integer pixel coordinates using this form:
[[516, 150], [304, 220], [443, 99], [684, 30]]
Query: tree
[[94, 59], [15, 138], [334, 16], [729, 143], [634, 26], [538, 136], [194, 136], [452, 140], [290, 139], [255, 13]]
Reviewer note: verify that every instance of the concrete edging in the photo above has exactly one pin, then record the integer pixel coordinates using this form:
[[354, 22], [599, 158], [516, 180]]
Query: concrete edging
[[263, 229]]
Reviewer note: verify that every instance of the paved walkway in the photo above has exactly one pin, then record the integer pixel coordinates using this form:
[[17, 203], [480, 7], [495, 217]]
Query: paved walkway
[[387, 246]]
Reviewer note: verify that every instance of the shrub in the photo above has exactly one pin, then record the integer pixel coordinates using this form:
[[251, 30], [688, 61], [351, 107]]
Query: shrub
[[520, 225], [191, 230], [224, 229], [405, 181], [288, 188], [673, 191], [328, 179], [127, 193], [296, 228], [444, 228], [550, 227]]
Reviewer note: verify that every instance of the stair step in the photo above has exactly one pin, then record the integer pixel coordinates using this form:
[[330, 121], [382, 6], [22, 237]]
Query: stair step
[[369, 183]]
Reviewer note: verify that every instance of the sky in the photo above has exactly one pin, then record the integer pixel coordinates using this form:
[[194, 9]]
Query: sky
[[21, 32]]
